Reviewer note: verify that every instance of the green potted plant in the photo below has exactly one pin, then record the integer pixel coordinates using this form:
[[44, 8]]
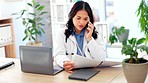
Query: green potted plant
[[135, 68], [142, 13], [118, 34], [33, 22]]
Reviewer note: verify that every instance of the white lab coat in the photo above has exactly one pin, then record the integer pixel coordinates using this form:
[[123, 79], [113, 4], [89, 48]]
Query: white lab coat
[[96, 48]]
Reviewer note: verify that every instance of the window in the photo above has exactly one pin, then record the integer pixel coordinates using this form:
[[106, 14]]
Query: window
[[122, 13]]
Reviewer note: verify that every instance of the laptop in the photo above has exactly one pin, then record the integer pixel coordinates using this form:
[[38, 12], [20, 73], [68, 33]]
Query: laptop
[[38, 60]]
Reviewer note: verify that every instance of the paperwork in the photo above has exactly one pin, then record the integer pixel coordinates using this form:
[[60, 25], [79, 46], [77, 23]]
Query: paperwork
[[81, 62]]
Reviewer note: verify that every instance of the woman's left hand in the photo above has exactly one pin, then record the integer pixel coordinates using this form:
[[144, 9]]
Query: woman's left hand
[[89, 30], [68, 66]]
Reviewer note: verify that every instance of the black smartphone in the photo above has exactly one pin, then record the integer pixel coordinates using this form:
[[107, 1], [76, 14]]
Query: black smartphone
[[86, 25]]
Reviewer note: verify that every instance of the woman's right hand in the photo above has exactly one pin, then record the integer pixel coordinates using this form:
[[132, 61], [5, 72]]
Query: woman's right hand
[[68, 66]]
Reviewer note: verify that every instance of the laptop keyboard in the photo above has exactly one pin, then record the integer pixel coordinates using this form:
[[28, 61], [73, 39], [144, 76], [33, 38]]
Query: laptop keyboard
[[56, 70]]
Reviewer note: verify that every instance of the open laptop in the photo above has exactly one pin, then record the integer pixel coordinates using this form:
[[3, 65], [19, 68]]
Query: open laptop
[[38, 60]]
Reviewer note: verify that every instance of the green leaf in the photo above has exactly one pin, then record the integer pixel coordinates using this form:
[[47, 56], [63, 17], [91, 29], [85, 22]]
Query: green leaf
[[25, 38], [37, 5], [127, 50], [30, 20], [143, 48], [124, 43], [42, 30], [14, 13], [33, 37], [33, 14], [40, 8], [30, 4], [132, 41], [112, 39], [43, 13], [23, 11], [140, 41], [38, 19], [24, 21], [39, 32], [26, 31], [41, 24]]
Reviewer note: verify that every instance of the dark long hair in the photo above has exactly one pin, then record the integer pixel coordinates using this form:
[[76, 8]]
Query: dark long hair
[[76, 7]]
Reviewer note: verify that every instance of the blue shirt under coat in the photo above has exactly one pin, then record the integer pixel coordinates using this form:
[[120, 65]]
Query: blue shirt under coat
[[80, 39]]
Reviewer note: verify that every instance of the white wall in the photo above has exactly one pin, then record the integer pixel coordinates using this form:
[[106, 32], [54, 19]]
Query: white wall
[[2, 52], [126, 15], [7, 8], [125, 11], [99, 6]]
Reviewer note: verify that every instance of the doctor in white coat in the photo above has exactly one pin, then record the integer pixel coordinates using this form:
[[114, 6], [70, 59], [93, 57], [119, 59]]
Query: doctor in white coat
[[78, 38]]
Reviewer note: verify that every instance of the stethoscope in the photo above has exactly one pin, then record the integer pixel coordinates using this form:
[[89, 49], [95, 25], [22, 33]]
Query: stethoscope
[[81, 51]]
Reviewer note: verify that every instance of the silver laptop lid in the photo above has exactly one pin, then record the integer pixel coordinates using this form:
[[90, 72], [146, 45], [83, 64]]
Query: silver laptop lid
[[36, 59]]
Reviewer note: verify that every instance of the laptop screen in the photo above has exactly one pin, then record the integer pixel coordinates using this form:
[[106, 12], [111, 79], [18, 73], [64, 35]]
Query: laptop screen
[[36, 59]]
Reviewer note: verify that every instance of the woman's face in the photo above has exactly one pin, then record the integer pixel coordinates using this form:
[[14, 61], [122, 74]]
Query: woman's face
[[80, 20]]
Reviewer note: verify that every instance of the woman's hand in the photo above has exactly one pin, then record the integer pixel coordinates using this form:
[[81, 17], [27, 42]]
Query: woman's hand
[[89, 31], [68, 66]]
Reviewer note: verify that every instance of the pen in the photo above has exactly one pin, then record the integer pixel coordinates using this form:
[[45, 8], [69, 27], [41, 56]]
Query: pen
[[6, 65], [100, 63]]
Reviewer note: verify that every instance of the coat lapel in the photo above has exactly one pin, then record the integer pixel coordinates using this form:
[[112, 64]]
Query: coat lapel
[[73, 39]]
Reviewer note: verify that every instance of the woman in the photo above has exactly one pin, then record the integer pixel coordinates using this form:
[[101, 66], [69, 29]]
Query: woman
[[79, 38]]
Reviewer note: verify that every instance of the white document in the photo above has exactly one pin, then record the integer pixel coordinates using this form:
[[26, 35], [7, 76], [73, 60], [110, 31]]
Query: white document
[[5, 34], [8, 34], [111, 62], [82, 62]]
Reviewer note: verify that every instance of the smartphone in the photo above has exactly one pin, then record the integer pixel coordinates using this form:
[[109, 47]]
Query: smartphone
[[86, 25]]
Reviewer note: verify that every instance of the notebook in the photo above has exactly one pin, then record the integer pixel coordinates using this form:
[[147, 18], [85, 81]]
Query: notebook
[[84, 74], [38, 60]]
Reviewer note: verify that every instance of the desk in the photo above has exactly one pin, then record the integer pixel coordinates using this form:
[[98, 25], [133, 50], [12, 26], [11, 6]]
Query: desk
[[15, 75]]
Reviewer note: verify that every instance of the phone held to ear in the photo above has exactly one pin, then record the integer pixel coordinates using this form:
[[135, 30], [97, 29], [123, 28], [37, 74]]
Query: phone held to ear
[[86, 25]]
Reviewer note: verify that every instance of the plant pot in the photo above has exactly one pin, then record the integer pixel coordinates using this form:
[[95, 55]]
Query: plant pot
[[135, 73], [39, 43], [123, 36]]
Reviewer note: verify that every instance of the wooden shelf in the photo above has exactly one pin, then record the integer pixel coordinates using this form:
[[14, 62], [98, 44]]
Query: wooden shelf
[[6, 44], [9, 46], [1, 25]]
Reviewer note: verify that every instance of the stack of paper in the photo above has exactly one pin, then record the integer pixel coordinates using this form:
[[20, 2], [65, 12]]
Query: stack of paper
[[81, 62], [5, 34]]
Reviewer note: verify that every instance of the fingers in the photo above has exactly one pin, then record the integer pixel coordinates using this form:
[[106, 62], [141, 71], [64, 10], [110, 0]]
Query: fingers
[[89, 31], [68, 66], [91, 26]]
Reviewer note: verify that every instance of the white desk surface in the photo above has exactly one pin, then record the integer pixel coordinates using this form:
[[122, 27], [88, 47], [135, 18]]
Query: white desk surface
[[15, 75]]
